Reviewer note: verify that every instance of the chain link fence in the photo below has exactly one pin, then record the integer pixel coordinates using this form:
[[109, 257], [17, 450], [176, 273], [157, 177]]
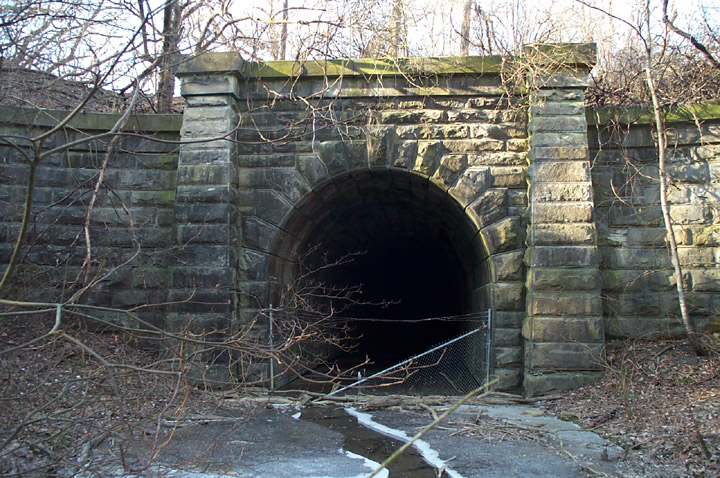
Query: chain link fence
[[454, 367]]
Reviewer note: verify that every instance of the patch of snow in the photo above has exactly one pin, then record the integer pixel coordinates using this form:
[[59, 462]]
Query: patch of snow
[[297, 415], [369, 463], [428, 453]]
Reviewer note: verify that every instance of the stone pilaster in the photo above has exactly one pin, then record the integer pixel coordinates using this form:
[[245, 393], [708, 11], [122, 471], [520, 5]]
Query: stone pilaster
[[563, 327], [206, 228]]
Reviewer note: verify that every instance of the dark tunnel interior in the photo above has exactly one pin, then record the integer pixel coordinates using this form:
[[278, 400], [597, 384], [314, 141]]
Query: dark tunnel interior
[[412, 255], [402, 285]]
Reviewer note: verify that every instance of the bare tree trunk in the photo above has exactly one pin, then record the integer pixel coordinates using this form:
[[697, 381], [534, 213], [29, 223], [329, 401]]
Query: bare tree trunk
[[396, 36], [465, 28], [283, 31], [171, 37], [667, 220]]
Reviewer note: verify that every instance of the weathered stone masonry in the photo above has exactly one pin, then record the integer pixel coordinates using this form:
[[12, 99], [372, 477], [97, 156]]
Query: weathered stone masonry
[[139, 191], [502, 200], [638, 282], [441, 132]]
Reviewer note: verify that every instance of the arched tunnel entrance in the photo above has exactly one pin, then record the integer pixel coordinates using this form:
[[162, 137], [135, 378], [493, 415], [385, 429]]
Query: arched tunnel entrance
[[407, 244]]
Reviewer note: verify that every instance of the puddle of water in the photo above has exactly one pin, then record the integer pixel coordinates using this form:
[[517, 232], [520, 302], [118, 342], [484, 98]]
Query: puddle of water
[[370, 444]]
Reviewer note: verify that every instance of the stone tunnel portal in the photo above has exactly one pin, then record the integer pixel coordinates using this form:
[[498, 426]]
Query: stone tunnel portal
[[411, 246]]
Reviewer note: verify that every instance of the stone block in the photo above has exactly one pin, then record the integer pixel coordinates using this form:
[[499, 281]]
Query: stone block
[[153, 198], [562, 139], [696, 257], [508, 356], [218, 255], [473, 116], [271, 206], [252, 293], [559, 356], [493, 131], [407, 152], [557, 109], [562, 256], [253, 265], [564, 304], [334, 155], [646, 236], [203, 128], [489, 207], [150, 277], [427, 156], [218, 174], [412, 116], [203, 276], [507, 337], [688, 214], [507, 319], [258, 234], [559, 171], [620, 280], [504, 235], [185, 233], [705, 280], [205, 194], [129, 298], [561, 212], [205, 213], [380, 145], [634, 304], [537, 384], [430, 131], [449, 169], [471, 183], [643, 327], [288, 182], [634, 258], [622, 216], [508, 378], [557, 124], [517, 202], [209, 85], [508, 177], [518, 145], [544, 279], [313, 169], [564, 329], [557, 192], [508, 267], [563, 234], [508, 296], [499, 158], [265, 160], [475, 145], [200, 101], [705, 235]]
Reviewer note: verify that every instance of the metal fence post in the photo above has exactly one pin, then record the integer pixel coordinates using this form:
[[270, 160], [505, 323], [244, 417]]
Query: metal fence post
[[270, 343], [488, 346]]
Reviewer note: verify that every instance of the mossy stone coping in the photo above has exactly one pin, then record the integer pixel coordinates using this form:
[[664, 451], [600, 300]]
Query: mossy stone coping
[[16, 115], [709, 110], [232, 63]]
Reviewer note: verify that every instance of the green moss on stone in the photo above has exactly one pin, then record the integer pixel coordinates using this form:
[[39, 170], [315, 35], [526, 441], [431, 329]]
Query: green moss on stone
[[641, 115]]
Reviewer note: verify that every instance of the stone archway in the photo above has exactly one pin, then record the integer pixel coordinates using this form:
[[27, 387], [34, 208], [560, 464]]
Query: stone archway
[[270, 143], [414, 247]]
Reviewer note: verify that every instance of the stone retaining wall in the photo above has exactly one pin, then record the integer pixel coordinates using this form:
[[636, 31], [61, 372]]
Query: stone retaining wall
[[638, 283], [564, 244], [131, 222]]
